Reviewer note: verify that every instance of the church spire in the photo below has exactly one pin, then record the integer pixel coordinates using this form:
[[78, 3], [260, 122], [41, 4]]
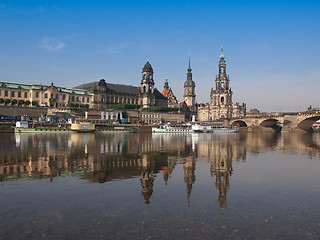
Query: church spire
[[189, 74], [166, 84], [221, 56]]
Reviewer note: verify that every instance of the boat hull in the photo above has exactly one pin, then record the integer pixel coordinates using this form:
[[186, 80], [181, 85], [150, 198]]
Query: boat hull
[[83, 127], [31, 130], [171, 130]]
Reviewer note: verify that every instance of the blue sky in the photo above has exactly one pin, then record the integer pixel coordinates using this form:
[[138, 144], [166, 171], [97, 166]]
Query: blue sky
[[271, 47]]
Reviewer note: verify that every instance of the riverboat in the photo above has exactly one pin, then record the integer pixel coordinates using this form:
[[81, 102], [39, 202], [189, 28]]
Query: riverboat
[[23, 127], [195, 128], [316, 127], [172, 129], [198, 128], [224, 129]]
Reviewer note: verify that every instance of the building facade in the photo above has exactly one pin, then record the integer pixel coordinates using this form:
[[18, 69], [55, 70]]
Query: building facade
[[105, 94], [221, 106], [43, 95]]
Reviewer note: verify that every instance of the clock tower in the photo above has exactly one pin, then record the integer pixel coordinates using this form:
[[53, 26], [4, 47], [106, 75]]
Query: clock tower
[[189, 89]]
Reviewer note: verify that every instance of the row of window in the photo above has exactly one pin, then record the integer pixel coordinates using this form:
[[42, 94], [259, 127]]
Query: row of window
[[73, 98], [19, 94], [119, 100], [150, 116], [12, 94], [145, 77]]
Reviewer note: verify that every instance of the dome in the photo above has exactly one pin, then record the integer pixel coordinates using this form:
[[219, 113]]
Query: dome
[[147, 67]]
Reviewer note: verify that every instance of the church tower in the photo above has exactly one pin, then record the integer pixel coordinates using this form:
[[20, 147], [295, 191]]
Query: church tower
[[221, 97], [147, 97], [189, 89]]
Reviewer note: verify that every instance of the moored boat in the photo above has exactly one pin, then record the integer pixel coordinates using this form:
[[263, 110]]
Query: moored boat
[[195, 128], [224, 129], [198, 128], [316, 127], [23, 127], [172, 129]]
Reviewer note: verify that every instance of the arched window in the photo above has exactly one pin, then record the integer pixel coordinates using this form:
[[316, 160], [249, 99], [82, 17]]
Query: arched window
[[144, 76], [222, 85], [222, 100], [144, 89]]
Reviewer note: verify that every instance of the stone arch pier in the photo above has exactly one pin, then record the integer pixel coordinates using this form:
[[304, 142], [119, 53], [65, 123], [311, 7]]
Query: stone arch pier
[[289, 121]]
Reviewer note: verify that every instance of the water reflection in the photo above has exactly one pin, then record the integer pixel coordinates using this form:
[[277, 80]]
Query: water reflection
[[103, 158]]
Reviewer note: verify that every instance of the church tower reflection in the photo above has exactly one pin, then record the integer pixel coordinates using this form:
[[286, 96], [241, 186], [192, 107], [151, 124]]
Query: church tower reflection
[[189, 174], [147, 178], [221, 167]]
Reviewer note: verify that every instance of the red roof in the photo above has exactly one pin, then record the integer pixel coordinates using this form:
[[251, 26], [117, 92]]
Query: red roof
[[165, 92]]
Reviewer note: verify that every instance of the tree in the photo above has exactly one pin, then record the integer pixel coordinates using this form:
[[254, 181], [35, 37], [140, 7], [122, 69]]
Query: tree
[[14, 102], [124, 106], [27, 102], [34, 103], [7, 101], [71, 105], [81, 105], [160, 109], [20, 102], [86, 105], [77, 105], [1, 100]]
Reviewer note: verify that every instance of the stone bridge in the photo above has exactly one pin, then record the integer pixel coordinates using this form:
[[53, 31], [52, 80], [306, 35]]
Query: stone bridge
[[290, 121]]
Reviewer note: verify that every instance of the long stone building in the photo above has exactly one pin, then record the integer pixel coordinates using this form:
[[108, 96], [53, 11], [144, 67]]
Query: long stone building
[[44, 95], [221, 106], [105, 94]]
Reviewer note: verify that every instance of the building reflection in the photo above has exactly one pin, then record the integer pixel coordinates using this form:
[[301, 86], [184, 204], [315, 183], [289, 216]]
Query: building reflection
[[189, 174], [102, 158], [147, 178]]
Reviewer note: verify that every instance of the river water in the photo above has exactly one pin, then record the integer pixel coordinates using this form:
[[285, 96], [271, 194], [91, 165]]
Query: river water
[[160, 186]]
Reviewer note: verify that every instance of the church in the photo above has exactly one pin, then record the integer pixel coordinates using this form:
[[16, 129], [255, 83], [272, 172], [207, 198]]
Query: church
[[221, 106]]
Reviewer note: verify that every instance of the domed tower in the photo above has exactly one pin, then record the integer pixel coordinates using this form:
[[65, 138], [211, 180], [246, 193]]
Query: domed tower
[[147, 98], [189, 89]]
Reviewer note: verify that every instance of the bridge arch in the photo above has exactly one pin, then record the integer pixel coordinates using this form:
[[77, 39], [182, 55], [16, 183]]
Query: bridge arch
[[272, 123], [239, 123], [269, 122], [306, 124]]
